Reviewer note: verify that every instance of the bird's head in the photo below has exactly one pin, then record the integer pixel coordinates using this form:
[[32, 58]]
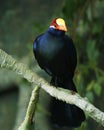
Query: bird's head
[[59, 24]]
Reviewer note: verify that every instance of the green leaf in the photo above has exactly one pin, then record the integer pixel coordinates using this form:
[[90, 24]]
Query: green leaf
[[97, 89], [90, 85], [92, 52], [90, 96]]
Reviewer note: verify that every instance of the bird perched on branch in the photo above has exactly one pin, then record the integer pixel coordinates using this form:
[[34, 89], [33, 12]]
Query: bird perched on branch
[[56, 54]]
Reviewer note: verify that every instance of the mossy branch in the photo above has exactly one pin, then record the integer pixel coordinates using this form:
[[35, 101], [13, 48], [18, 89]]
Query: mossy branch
[[6, 61]]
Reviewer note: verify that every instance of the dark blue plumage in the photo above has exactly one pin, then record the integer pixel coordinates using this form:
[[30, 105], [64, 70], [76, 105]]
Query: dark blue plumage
[[56, 54]]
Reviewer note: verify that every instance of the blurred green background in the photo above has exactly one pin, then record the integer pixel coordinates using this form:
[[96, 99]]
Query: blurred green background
[[20, 23]]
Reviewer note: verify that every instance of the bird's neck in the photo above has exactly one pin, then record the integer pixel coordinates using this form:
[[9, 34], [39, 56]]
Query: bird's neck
[[56, 32]]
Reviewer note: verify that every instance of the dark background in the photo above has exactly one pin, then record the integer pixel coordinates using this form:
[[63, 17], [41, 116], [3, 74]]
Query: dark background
[[20, 23]]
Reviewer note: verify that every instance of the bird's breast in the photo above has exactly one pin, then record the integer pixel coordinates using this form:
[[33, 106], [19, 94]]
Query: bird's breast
[[50, 49]]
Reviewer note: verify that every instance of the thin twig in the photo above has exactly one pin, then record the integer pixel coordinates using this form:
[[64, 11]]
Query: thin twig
[[27, 124]]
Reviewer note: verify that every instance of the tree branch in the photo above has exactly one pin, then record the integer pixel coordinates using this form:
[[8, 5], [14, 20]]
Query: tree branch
[[6, 61], [27, 124], [23, 99]]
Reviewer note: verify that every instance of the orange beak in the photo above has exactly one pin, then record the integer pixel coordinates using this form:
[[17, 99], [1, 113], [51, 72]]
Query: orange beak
[[59, 23], [61, 27]]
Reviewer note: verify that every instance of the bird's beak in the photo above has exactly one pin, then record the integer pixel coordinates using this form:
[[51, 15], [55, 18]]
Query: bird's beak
[[62, 27], [59, 24]]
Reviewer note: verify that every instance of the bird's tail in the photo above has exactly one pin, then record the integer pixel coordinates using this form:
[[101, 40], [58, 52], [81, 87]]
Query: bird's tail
[[62, 114]]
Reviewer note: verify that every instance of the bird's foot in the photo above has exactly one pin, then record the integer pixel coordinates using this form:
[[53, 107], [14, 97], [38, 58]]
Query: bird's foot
[[73, 92], [54, 82]]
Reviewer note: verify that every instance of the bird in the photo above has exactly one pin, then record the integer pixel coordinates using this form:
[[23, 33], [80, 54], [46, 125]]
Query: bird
[[55, 53]]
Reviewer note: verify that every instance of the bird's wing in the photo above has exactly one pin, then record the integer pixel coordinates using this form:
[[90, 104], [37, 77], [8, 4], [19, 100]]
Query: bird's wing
[[36, 44], [72, 55]]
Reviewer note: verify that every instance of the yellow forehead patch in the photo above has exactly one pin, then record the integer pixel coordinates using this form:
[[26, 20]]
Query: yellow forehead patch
[[60, 21]]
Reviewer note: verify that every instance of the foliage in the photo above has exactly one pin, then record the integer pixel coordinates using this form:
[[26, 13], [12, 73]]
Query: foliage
[[87, 29]]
